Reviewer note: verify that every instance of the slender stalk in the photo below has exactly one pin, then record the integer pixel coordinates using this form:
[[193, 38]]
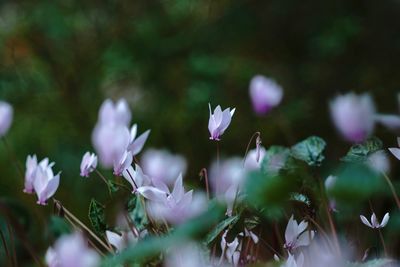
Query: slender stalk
[[382, 241], [256, 134], [265, 243], [132, 227], [12, 243], [104, 180], [5, 247], [82, 225], [203, 173], [395, 196]]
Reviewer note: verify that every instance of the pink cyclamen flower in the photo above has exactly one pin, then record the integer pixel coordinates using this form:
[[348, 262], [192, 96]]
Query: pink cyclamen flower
[[265, 94], [88, 164], [45, 182], [163, 166], [353, 116], [6, 117], [374, 224], [219, 121], [123, 163], [296, 234], [136, 144], [71, 250]]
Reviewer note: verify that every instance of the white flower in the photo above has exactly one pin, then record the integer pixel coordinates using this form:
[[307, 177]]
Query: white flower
[[136, 177], [254, 158], [230, 250], [162, 166], [6, 117], [45, 182], [120, 242], [71, 250], [265, 94], [374, 224], [353, 116], [136, 144], [123, 162], [88, 164], [219, 121], [296, 234]]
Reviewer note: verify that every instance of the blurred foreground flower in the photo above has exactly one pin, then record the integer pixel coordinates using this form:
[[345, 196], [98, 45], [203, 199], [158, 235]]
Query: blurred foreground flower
[[265, 94], [294, 262], [374, 224], [120, 242], [254, 158], [219, 121], [296, 235], [71, 250], [6, 117], [162, 166], [353, 116], [88, 164]]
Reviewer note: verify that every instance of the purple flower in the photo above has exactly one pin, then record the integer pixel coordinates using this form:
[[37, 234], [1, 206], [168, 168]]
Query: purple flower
[[265, 94], [353, 116], [296, 235], [45, 182], [88, 164], [374, 221], [136, 144], [72, 250], [219, 121], [123, 163], [6, 117], [162, 166], [31, 165]]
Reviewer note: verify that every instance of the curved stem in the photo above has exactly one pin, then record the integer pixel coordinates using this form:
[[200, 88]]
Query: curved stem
[[395, 196], [203, 173]]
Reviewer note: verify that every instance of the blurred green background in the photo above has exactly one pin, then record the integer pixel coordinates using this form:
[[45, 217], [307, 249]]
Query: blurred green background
[[169, 58]]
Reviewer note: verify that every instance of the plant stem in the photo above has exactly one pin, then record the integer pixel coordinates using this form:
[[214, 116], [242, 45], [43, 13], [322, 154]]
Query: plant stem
[[256, 134], [203, 172], [396, 198]]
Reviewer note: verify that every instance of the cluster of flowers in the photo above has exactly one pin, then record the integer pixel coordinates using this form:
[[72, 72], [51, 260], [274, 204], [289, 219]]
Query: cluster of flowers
[[158, 179]]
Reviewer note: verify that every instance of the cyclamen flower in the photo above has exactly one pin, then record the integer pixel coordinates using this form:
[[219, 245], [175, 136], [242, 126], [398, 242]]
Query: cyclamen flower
[[136, 177], [162, 166], [329, 184], [123, 163], [120, 242], [118, 113], [136, 144], [296, 235], [353, 116], [45, 183], [177, 206], [6, 117], [230, 250], [374, 224], [254, 158], [265, 94], [219, 121], [88, 164], [30, 173], [72, 250]]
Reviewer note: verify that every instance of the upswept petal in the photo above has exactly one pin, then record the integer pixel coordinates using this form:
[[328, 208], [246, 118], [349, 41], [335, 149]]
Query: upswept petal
[[365, 221], [305, 238], [374, 221], [385, 220], [291, 230], [138, 144], [52, 186], [178, 190], [153, 193], [395, 151], [115, 239]]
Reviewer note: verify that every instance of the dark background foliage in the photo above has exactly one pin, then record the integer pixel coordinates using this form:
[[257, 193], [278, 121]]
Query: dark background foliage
[[60, 59]]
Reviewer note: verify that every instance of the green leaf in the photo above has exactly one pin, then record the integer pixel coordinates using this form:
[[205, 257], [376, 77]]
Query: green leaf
[[137, 212], [275, 158], [360, 152], [230, 221], [97, 217], [309, 150]]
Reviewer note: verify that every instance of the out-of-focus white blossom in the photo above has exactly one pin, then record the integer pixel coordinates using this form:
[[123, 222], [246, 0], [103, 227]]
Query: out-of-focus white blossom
[[353, 116], [121, 241], [379, 161], [6, 117], [254, 158], [72, 250], [265, 94], [162, 166]]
